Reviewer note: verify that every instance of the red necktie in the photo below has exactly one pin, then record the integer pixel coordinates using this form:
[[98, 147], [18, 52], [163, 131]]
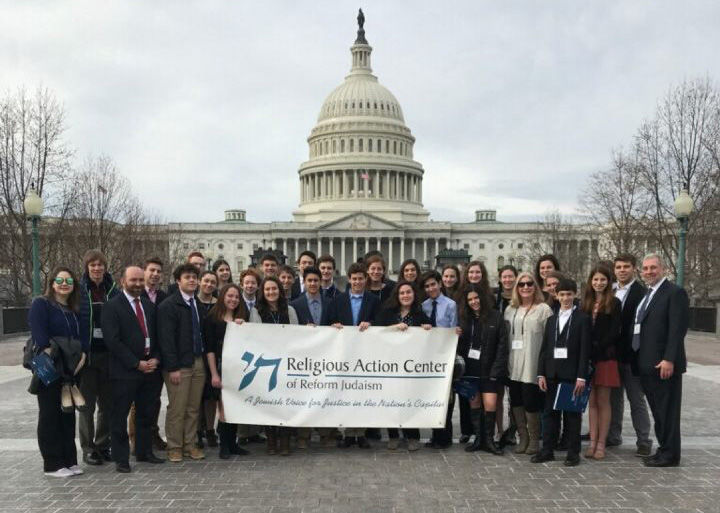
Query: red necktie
[[141, 319]]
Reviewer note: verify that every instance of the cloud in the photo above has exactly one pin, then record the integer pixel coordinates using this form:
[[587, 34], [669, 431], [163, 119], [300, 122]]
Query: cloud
[[206, 106]]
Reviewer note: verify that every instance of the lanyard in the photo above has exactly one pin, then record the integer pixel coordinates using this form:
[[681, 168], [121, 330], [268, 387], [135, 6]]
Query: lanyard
[[557, 327], [275, 317], [522, 329]]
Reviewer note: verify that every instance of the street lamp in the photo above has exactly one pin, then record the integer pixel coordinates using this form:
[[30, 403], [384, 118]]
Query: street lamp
[[683, 208], [34, 209]]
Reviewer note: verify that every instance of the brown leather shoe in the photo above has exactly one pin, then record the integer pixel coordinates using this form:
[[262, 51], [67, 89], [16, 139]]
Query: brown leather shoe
[[175, 455], [196, 454]]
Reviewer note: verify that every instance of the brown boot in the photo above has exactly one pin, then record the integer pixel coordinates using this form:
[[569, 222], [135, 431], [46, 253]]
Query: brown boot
[[533, 426], [521, 423], [271, 438]]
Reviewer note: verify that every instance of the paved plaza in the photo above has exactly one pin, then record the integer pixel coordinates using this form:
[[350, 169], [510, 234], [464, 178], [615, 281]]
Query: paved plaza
[[333, 480]]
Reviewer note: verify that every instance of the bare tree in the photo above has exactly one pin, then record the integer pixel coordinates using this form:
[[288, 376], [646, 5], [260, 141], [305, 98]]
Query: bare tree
[[32, 153]]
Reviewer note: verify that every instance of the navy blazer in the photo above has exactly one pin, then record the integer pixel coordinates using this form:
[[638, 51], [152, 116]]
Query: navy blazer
[[663, 330], [124, 337], [341, 312], [577, 341], [295, 291], [302, 309]]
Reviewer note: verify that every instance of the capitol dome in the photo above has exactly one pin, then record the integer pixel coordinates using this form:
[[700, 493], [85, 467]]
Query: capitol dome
[[361, 152]]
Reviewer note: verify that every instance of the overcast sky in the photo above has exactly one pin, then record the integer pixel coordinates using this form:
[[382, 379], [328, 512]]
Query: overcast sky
[[206, 105]]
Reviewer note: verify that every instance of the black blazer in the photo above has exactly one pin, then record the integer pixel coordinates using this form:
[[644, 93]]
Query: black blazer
[[331, 292], [605, 333], [295, 291], [491, 337], [384, 293], [161, 296], [577, 341], [663, 330], [340, 310], [632, 300], [174, 327], [302, 309], [124, 337], [390, 316]]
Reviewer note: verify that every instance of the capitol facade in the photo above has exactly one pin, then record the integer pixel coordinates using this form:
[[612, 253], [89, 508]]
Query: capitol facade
[[361, 190]]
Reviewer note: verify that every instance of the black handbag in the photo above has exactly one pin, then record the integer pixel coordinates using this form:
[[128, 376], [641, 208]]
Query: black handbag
[[28, 353]]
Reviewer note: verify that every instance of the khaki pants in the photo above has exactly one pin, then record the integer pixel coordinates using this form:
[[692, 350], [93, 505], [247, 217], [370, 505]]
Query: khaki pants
[[95, 388], [181, 422]]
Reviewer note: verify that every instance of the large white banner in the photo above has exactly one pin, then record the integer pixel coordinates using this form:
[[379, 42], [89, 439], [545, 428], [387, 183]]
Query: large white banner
[[305, 376]]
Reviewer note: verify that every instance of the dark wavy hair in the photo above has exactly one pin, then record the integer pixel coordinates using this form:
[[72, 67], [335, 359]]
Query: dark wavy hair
[[73, 298], [552, 258], [393, 303], [451, 292], [262, 305], [486, 303], [410, 261], [216, 265]]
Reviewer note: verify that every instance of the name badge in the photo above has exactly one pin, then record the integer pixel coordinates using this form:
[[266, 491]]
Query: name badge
[[147, 343], [561, 353], [97, 333], [517, 344], [636, 329], [474, 354]]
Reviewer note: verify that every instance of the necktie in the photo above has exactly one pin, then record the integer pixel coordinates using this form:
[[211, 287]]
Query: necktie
[[141, 319], [433, 314], [197, 336], [639, 318], [315, 311]]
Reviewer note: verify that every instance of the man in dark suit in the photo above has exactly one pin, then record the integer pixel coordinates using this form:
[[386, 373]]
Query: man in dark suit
[[658, 344], [311, 309], [356, 307], [326, 265], [305, 260], [630, 292], [564, 358], [153, 279], [128, 324]]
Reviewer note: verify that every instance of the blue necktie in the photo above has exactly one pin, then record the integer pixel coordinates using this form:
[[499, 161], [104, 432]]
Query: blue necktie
[[639, 319], [197, 335]]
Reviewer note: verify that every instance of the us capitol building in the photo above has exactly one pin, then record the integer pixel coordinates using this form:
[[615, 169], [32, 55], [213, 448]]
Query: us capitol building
[[361, 190]]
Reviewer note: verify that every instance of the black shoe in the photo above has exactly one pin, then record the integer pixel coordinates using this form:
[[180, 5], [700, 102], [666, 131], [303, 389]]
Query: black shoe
[[643, 451], [363, 443], [224, 453], [238, 451], [123, 468], [464, 439], [106, 455], [572, 461], [508, 437], [661, 461], [150, 458], [92, 458], [348, 441], [542, 457], [613, 443], [586, 437]]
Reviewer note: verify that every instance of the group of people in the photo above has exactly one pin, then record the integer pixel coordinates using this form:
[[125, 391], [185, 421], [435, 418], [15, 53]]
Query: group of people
[[530, 335]]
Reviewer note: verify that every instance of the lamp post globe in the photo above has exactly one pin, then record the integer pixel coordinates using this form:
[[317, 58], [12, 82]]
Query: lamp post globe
[[684, 206], [34, 206]]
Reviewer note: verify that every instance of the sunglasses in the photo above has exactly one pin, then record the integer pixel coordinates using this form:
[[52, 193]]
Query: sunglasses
[[526, 284], [60, 281]]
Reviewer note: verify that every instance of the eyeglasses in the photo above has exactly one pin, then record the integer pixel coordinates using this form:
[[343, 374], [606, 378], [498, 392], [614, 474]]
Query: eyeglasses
[[60, 280], [525, 284]]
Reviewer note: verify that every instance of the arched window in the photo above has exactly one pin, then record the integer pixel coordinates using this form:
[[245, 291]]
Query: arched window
[[352, 145], [342, 145], [369, 145], [334, 146], [360, 144], [379, 145], [395, 147]]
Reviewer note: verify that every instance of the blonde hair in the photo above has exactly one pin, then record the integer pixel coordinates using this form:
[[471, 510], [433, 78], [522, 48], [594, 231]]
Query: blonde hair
[[537, 297]]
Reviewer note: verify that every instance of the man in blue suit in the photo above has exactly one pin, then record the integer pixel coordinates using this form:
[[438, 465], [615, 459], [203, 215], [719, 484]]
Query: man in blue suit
[[356, 307]]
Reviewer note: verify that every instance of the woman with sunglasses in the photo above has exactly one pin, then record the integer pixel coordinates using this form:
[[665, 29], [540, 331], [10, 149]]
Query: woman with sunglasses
[[400, 311], [54, 314], [606, 311], [483, 345], [272, 308], [527, 314]]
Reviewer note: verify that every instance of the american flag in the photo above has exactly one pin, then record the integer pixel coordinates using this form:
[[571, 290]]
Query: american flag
[[365, 176]]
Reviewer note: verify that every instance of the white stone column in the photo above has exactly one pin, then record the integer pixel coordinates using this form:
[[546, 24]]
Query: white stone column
[[397, 185], [376, 184], [366, 183], [379, 240], [319, 247], [354, 249], [367, 245], [390, 255], [419, 190], [402, 249], [297, 248], [343, 269], [425, 254], [284, 247], [355, 183]]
